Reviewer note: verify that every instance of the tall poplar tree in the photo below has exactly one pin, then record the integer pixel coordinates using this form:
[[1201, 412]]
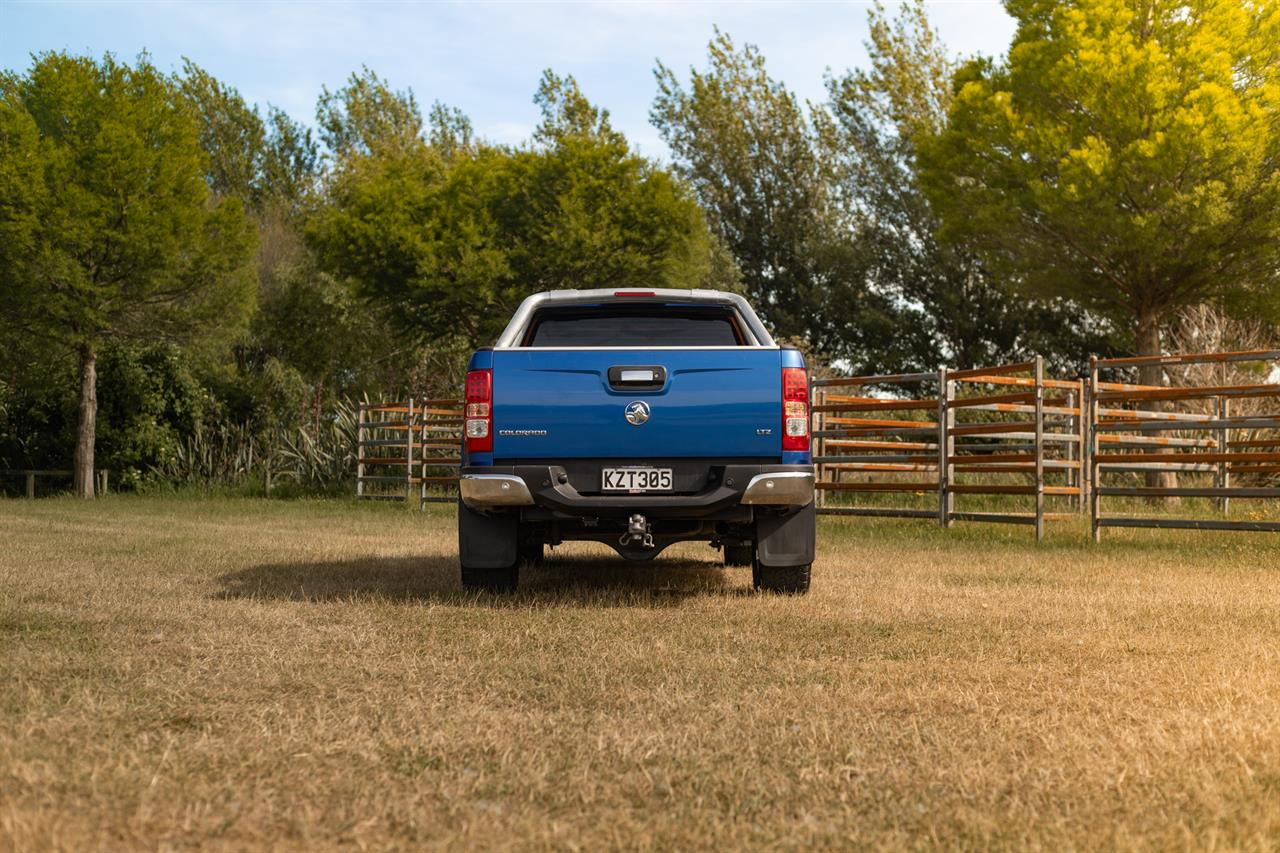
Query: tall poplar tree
[[944, 306], [747, 147]]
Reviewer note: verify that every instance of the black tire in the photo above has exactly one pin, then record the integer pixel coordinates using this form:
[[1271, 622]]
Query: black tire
[[789, 580], [493, 580], [739, 555], [531, 549]]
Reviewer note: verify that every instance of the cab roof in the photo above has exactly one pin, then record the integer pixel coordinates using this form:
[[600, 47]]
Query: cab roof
[[514, 332]]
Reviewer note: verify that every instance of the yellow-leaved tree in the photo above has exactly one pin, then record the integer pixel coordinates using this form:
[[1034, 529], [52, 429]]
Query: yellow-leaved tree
[[1126, 154]]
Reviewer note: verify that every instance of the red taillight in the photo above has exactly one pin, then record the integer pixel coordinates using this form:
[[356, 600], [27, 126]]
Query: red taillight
[[626, 293], [479, 411], [795, 409]]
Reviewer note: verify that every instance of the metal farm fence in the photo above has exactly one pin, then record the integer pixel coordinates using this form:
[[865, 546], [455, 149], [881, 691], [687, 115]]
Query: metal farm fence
[[439, 459], [1032, 448], [408, 445], [985, 432], [1222, 439]]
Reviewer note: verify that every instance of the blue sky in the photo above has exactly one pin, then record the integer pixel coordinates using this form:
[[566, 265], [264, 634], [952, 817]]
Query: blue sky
[[484, 57]]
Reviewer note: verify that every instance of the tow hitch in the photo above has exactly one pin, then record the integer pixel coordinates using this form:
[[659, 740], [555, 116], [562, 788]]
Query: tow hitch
[[637, 530]]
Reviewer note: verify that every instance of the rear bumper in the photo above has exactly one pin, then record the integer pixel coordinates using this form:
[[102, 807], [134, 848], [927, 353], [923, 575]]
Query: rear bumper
[[492, 490], [549, 487], [780, 488]]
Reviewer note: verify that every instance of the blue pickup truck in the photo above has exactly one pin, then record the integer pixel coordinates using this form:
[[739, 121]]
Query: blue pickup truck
[[637, 419]]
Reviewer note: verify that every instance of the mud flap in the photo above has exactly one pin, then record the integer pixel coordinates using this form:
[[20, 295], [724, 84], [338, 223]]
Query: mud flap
[[487, 541], [786, 539]]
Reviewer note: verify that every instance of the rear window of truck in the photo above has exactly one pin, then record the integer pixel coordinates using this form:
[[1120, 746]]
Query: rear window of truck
[[634, 326]]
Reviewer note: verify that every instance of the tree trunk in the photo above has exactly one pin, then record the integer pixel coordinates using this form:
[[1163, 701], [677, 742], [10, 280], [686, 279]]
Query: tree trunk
[[86, 430], [1153, 374]]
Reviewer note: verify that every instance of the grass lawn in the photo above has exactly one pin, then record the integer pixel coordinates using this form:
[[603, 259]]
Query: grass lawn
[[305, 674]]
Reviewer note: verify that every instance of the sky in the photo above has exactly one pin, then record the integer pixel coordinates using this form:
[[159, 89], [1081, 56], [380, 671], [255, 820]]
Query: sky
[[483, 57]]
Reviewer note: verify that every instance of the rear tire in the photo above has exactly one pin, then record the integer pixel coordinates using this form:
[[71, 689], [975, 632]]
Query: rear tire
[[492, 580], [788, 580], [531, 548], [739, 555]]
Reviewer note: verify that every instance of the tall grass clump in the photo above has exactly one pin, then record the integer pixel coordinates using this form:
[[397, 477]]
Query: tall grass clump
[[310, 460]]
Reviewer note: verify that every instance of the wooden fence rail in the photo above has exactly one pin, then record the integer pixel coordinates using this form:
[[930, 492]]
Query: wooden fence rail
[[983, 431], [100, 476], [440, 454], [1223, 450], [409, 447]]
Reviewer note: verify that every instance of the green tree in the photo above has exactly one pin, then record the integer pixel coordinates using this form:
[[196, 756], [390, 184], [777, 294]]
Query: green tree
[[272, 163], [107, 229], [1125, 156], [367, 116], [231, 132], [290, 166], [936, 303], [273, 168], [37, 402], [566, 113], [450, 247], [449, 132], [339, 347], [148, 399], [744, 144]]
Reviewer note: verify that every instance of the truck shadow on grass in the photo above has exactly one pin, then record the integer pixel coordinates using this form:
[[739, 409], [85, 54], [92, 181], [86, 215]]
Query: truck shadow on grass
[[570, 581]]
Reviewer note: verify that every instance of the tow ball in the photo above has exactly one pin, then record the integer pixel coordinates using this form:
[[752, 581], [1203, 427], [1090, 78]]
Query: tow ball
[[637, 530]]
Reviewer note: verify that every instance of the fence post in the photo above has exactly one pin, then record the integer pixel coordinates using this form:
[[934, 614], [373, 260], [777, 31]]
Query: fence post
[[1094, 475], [31, 485], [818, 444], [1039, 448], [360, 452], [1069, 452], [1083, 474], [1224, 439], [408, 455], [946, 448]]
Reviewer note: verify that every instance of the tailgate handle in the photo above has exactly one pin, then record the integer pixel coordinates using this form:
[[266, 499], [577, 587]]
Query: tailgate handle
[[638, 377]]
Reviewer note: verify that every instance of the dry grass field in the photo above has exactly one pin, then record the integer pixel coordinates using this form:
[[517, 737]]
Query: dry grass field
[[222, 673]]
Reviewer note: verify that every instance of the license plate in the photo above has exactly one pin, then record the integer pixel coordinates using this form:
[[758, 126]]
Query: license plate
[[636, 479]]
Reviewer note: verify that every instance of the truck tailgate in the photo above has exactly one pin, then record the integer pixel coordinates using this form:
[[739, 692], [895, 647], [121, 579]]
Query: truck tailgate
[[557, 404]]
